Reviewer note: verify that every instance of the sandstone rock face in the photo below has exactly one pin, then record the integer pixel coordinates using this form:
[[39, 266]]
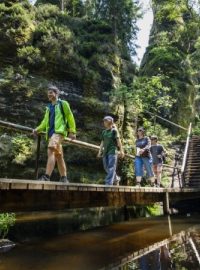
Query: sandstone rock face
[[169, 55], [81, 57], [25, 106]]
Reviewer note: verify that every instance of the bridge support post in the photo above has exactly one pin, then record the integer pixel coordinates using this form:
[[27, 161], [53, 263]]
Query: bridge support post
[[166, 209], [37, 156], [126, 213]]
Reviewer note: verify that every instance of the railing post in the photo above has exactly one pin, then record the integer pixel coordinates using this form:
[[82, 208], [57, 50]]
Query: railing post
[[166, 207], [37, 156]]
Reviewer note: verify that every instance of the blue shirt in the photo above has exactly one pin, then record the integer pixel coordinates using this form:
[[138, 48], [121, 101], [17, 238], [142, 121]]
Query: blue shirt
[[51, 119], [142, 143]]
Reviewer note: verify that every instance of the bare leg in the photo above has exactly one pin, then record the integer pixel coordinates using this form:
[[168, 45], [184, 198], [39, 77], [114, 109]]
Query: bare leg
[[61, 165], [50, 162], [159, 175], [151, 180], [155, 170]]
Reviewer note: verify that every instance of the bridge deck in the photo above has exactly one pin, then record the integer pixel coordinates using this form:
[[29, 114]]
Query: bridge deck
[[27, 195]]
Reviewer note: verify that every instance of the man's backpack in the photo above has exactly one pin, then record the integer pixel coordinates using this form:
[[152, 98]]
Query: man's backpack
[[63, 114]]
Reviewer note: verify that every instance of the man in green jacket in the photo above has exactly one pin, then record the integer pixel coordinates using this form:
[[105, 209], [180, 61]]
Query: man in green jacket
[[58, 122]]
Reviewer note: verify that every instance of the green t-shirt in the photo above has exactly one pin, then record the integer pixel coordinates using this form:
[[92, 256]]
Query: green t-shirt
[[109, 138]]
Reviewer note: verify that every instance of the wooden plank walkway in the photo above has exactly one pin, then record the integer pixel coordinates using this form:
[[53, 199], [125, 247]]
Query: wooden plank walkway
[[26, 195]]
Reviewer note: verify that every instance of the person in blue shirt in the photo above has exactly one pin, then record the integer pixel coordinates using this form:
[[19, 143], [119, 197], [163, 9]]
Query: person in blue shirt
[[143, 158], [58, 123]]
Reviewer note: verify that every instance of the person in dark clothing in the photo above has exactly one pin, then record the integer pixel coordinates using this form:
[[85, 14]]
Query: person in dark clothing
[[158, 155], [143, 157]]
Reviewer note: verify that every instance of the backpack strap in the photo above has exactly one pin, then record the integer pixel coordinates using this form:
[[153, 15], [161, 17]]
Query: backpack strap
[[61, 109], [63, 113], [114, 133]]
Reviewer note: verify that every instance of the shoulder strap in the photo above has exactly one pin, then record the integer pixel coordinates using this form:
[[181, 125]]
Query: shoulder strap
[[63, 114], [113, 131], [61, 109]]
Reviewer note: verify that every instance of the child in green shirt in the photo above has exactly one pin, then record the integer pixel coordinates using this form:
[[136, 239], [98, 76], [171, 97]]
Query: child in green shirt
[[110, 142]]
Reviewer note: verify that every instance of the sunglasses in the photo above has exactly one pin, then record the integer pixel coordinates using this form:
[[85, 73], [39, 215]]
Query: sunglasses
[[140, 130]]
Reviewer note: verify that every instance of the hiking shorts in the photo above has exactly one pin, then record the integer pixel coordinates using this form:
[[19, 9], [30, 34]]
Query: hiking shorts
[[157, 168], [55, 143]]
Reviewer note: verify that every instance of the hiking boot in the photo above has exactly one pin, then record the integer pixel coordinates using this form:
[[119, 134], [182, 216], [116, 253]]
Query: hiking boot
[[117, 180], [64, 179], [44, 177], [138, 185]]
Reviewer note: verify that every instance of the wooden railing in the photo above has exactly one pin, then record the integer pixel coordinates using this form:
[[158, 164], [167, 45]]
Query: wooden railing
[[186, 153], [78, 143], [67, 140]]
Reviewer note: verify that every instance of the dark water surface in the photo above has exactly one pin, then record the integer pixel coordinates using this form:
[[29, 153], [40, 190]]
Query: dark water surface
[[147, 244]]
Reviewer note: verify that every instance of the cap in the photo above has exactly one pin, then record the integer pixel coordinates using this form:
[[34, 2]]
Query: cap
[[154, 137], [108, 118]]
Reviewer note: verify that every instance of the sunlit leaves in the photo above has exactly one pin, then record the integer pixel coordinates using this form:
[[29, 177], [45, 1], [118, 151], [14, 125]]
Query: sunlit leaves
[[16, 24], [6, 221]]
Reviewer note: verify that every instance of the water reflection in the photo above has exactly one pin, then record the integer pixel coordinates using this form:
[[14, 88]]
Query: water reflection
[[146, 244], [179, 252]]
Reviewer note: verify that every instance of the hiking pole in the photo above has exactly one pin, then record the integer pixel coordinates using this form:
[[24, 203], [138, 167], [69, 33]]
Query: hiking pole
[[67, 140]]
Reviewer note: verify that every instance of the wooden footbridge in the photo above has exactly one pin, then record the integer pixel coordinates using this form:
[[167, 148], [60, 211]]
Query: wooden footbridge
[[26, 195]]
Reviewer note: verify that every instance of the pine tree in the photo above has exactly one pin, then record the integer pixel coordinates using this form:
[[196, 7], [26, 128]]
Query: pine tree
[[121, 15], [72, 7]]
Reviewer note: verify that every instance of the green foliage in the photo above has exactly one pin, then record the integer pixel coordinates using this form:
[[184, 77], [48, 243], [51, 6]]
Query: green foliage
[[154, 93], [171, 11], [154, 210], [170, 56], [16, 26], [44, 12], [22, 149], [73, 8], [6, 221], [121, 16], [30, 56], [126, 94], [46, 2], [70, 44]]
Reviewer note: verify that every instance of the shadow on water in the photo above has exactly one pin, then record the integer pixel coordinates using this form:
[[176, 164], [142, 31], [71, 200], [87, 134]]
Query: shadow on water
[[147, 244]]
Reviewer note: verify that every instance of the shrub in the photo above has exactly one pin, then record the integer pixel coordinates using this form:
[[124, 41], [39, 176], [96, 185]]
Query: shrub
[[6, 221], [16, 24], [30, 56]]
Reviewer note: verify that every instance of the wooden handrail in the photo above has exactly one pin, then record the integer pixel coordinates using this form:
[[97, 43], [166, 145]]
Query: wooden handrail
[[78, 143], [186, 149], [67, 140]]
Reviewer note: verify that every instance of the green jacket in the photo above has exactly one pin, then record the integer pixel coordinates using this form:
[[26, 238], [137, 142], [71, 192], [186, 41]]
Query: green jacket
[[60, 125]]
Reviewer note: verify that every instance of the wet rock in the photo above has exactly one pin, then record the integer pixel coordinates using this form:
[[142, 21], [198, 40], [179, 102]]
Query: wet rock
[[6, 245]]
